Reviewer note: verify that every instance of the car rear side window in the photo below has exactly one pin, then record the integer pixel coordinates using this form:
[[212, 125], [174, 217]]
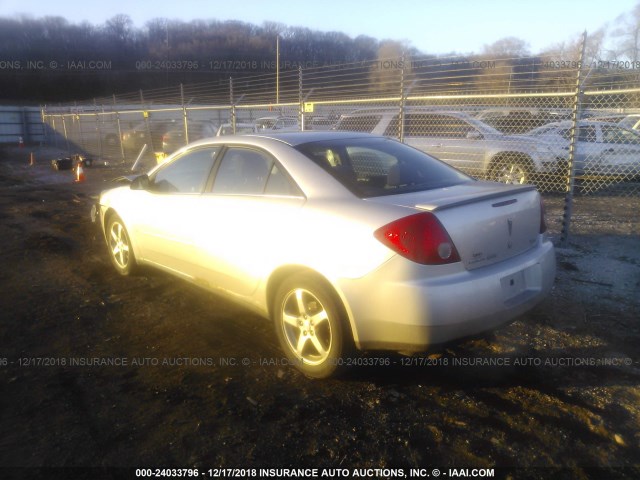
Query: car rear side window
[[371, 167], [618, 135], [186, 174], [244, 171]]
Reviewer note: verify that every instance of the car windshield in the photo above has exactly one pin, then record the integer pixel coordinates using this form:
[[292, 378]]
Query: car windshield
[[630, 122], [266, 123], [371, 167]]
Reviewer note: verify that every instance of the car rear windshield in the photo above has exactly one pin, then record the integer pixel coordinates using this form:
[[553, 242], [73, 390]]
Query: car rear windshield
[[371, 167]]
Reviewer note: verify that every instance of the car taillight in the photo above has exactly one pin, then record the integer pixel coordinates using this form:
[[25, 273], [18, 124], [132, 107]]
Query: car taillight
[[543, 223], [420, 238]]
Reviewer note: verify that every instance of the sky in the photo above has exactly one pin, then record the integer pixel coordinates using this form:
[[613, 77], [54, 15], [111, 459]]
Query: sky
[[432, 26]]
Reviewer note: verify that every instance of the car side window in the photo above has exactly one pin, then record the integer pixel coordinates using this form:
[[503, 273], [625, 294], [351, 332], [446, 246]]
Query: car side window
[[279, 184], [618, 135], [186, 174], [587, 134], [244, 171], [430, 125]]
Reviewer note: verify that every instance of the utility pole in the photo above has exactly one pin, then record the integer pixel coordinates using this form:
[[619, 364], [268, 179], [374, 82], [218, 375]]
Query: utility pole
[[278, 69]]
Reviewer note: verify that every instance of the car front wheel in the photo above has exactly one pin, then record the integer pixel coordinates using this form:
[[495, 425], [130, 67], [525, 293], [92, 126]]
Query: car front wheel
[[119, 245], [511, 171], [310, 327]]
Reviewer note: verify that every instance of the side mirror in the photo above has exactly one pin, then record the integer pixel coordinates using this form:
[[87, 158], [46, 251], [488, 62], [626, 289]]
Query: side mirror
[[140, 183]]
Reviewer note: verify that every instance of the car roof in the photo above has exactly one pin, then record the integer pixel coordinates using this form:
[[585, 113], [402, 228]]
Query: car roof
[[275, 117], [298, 138], [409, 109], [581, 123], [289, 138]]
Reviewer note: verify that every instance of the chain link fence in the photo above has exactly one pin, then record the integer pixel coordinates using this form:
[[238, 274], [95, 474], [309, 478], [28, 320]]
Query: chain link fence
[[570, 127]]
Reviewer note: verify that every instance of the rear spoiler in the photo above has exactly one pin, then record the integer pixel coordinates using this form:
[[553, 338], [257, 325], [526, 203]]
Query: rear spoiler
[[499, 191]]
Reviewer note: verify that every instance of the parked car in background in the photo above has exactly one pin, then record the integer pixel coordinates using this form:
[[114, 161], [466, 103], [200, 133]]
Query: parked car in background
[[343, 240], [630, 121], [319, 122], [146, 133], [277, 123], [601, 148], [460, 140], [197, 130], [515, 121], [241, 128]]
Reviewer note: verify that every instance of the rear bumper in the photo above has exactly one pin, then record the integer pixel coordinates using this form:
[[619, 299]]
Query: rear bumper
[[451, 303]]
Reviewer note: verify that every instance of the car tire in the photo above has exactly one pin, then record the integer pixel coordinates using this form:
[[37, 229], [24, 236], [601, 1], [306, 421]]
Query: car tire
[[511, 169], [119, 246], [311, 327]]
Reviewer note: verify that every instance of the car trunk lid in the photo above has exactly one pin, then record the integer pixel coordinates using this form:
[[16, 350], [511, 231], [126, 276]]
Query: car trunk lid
[[487, 222]]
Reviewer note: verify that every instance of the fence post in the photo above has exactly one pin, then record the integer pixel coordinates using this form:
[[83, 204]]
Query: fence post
[[98, 129], [25, 126], [78, 118], [66, 135], [233, 106], [44, 120], [184, 116], [571, 167], [300, 100], [402, 101], [119, 128], [55, 132], [145, 115]]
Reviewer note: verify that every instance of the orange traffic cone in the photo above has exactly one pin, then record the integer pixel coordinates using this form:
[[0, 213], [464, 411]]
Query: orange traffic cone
[[32, 159], [79, 173]]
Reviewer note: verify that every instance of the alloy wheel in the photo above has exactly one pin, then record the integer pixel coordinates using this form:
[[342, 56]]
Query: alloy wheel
[[306, 326]]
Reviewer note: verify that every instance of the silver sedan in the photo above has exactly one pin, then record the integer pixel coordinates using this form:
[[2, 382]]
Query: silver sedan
[[346, 241]]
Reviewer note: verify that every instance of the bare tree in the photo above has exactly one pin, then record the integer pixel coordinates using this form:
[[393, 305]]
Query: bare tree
[[628, 33], [386, 71], [509, 47], [119, 28], [559, 61], [498, 65]]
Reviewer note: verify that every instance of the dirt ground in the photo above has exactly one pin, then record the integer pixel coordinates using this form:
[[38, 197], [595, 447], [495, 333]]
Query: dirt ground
[[100, 371]]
